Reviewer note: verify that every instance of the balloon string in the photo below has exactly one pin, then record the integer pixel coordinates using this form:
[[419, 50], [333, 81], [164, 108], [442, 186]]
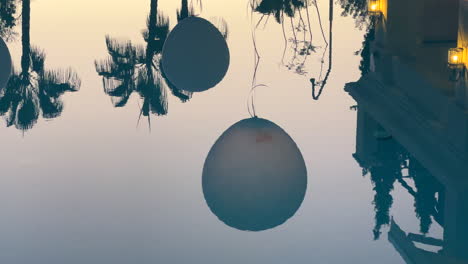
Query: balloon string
[[251, 96]]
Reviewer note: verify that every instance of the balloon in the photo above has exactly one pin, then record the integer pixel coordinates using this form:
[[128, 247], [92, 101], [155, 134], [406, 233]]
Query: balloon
[[195, 55], [5, 64], [254, 177]]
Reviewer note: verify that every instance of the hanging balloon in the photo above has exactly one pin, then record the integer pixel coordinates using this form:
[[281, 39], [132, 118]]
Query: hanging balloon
[[195, 55], [254, 177], [5, 64]]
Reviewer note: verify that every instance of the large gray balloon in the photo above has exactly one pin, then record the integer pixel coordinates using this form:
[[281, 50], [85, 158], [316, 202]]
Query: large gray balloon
[[254, 177], [5, 64], [195, 55]]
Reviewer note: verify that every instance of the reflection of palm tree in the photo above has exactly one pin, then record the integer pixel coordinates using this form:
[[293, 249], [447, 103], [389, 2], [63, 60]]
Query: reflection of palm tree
[[137, 69], [7, 17], [34, 89], [185, 11]]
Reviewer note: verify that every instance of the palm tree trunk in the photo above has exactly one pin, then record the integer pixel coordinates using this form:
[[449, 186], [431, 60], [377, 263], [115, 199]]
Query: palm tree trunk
[[153, 17], [184, 11], [153, 20], [25, 40]]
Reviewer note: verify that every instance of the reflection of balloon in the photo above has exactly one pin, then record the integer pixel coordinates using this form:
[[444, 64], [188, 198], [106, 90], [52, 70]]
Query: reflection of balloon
[[195, 55], [5, 64], [254, 177]]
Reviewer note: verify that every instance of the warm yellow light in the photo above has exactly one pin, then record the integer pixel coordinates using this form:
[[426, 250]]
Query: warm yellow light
[[455, 58], [375, 7]]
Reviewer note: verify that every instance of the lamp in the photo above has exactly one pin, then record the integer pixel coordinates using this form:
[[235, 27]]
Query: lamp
[[455, 58], [375, 7], [456, 62]]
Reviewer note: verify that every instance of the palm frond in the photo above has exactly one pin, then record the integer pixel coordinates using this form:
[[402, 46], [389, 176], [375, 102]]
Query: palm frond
[[27, 113], [11, 115], [152, 91], [51, 108], [183, 96], [57, 82], [37, 60], [155, 35], [121, 101], [120, 51], [222, 26]]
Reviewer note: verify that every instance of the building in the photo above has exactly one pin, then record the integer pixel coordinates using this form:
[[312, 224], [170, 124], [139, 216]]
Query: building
[[411, 96]]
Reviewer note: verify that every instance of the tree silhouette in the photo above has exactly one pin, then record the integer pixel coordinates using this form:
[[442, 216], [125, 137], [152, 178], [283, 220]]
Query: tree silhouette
[[383, 181], [356, 9], [185, 11], [7, 18], [384, 172], [132, 68], [425, 200], [279, 8], [365, 52], [301, 40], [34, 90]]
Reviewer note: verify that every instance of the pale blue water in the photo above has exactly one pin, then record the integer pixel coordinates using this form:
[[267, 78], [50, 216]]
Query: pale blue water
[[100, 184]]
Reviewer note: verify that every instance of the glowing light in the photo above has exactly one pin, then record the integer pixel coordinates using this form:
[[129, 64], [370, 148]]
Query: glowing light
[[375, 7], [455, 58]]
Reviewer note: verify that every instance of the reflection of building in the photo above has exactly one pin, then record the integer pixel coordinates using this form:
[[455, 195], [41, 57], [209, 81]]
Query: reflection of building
[[407, 97]]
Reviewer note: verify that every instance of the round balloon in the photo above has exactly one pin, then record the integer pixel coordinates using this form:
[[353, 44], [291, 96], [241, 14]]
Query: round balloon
[[5, 66], [195, 55], [254, 177]]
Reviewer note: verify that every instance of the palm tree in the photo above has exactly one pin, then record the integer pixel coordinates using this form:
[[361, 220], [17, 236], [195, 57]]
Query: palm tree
[[185, 11], [7, 18], [133, 68], [34, 90]]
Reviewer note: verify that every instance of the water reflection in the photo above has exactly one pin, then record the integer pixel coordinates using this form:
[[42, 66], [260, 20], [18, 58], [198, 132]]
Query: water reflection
[[254, 177], [302, 36], [301, 40], [133, 68], [34, 90], [387, 162], [412, 130]]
